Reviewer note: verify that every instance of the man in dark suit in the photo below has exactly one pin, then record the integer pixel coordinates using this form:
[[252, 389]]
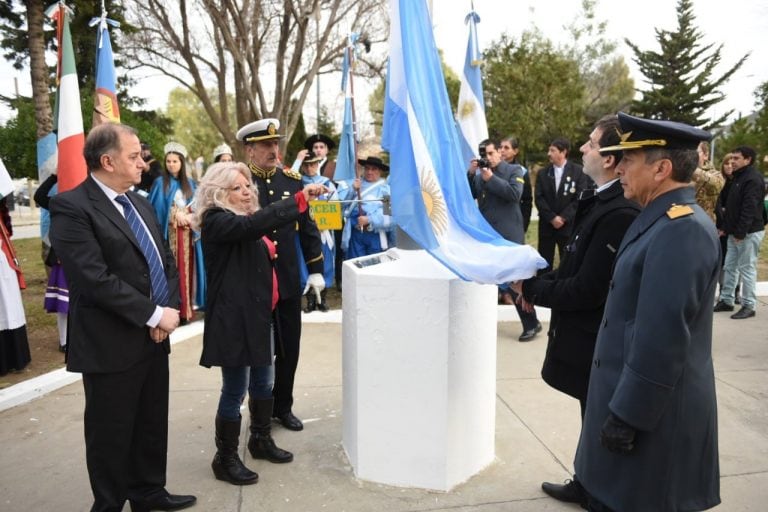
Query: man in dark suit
[[498, 188], [558, 187], [576, 291], [274, 183], [649, 439], [120, 316]]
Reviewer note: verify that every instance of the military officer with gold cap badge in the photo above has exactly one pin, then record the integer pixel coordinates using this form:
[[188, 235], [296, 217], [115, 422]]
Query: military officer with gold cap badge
[[649, 440], [273, 183]]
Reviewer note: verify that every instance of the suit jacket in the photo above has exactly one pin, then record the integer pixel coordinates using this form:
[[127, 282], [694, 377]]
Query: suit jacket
[[576, 291], [563, 201], [239, 270], [652, 365], [108, 277], [499, 200], [282, 185]]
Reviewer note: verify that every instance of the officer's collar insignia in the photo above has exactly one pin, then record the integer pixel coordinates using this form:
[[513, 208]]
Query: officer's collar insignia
[[261, 173]]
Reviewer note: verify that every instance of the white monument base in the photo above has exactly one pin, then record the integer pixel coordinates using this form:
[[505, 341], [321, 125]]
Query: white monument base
[[419, 371]]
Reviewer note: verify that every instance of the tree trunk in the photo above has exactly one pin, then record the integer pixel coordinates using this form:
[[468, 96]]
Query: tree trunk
[[38, 70]]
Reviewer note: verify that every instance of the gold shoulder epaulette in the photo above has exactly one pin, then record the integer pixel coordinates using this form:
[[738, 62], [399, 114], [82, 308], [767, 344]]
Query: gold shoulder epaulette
[[679, 210], [291, 173]]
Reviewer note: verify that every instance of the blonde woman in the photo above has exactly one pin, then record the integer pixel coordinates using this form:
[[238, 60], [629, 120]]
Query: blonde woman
[[242, 291]]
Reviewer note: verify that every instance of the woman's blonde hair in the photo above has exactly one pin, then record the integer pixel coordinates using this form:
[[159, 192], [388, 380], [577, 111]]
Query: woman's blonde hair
[[213, 191]]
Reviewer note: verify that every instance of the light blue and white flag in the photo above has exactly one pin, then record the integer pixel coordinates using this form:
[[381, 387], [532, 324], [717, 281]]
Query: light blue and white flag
[[346, 160], [430, 197], [470, 112]]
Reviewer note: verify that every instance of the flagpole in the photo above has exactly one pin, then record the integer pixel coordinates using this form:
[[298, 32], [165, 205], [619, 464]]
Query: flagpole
[[351, 58]]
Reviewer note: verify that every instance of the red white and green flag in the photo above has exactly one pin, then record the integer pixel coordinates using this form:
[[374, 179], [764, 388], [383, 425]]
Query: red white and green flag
[[71, 167]]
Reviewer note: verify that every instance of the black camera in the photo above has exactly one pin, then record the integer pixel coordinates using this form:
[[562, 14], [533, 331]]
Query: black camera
[[483, 162]]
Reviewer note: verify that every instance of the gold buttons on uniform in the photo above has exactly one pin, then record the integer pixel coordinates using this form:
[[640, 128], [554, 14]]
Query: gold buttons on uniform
[[271, 192]]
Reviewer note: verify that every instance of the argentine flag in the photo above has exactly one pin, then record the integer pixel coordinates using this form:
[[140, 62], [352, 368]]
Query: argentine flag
[[431, 200], [470, 111]]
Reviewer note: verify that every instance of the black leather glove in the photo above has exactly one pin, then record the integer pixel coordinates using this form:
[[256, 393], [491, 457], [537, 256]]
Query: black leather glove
[[616, 435]]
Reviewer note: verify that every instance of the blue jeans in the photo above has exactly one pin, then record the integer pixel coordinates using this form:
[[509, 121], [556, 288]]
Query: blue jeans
[[741, 261], [258, 380]]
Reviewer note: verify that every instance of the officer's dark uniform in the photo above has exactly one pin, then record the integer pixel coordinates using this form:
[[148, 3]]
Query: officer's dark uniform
[[273, 186], [652, 373]]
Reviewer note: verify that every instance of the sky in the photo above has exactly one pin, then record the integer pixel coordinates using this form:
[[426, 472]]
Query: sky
[[740, 25]]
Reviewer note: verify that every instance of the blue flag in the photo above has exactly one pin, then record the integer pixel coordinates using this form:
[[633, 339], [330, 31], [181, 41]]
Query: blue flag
[[346, 160], [431, 200], [105, 107], [470, 111]]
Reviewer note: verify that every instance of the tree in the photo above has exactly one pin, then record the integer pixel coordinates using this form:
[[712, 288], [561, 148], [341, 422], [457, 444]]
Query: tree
[[17, 140], [19, 45], [750, 131], [609, 87], [680, 75], [262, 54], [191, 126], [532, 91]]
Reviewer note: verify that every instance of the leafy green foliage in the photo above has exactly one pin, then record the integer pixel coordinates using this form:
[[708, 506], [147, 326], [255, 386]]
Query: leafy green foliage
[[532, 91], [681, 76], [18, 147]]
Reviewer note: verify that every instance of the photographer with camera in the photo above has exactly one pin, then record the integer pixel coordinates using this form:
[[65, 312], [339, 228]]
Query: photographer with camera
[[498, 187]]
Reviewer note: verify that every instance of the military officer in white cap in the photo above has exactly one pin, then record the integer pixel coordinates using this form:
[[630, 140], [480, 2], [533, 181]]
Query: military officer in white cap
[[273, 183]]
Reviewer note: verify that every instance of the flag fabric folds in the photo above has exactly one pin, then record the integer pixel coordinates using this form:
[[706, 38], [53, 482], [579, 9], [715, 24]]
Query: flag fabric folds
[[470, 111], [431, 200], [69, 117], [105, 107], [346, 159]]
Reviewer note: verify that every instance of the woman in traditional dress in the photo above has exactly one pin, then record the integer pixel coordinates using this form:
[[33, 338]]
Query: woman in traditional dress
[[14, 347], [171, 196]]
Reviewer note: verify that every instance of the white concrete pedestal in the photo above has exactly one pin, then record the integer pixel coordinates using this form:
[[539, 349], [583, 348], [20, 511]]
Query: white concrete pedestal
[[419, 371]]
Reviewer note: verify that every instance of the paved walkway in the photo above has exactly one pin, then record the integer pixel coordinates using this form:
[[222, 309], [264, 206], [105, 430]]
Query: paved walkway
[[43, 466]]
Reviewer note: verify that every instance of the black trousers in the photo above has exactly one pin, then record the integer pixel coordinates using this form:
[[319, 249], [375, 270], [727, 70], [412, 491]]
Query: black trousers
[[126, 432], [547, 242], [287, 318], [529, 320]]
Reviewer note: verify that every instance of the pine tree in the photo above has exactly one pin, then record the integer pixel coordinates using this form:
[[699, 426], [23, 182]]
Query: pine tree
[[681, 74]]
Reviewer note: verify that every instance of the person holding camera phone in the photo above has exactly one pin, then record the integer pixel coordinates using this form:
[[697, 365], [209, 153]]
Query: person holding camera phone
[[498, 186]]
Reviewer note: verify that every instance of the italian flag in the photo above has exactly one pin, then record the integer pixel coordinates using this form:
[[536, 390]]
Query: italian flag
[[71, 168]]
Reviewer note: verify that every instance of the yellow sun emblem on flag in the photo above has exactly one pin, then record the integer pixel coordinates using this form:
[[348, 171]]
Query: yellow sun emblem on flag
[[434, 202], [467, 108]]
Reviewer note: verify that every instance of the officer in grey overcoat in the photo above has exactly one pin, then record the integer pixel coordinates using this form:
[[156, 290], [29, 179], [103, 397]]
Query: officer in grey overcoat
[[649, 440]]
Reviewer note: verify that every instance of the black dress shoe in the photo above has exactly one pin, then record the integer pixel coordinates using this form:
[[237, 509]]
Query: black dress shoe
[[722, 306], [164, 501], [744, 312], [530, 333], [570, 492], [289, 421]]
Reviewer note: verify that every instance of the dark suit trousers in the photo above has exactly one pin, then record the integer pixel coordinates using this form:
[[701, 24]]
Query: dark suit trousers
[[126, 432], [547, 242], [287, 336], [529, 320]]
